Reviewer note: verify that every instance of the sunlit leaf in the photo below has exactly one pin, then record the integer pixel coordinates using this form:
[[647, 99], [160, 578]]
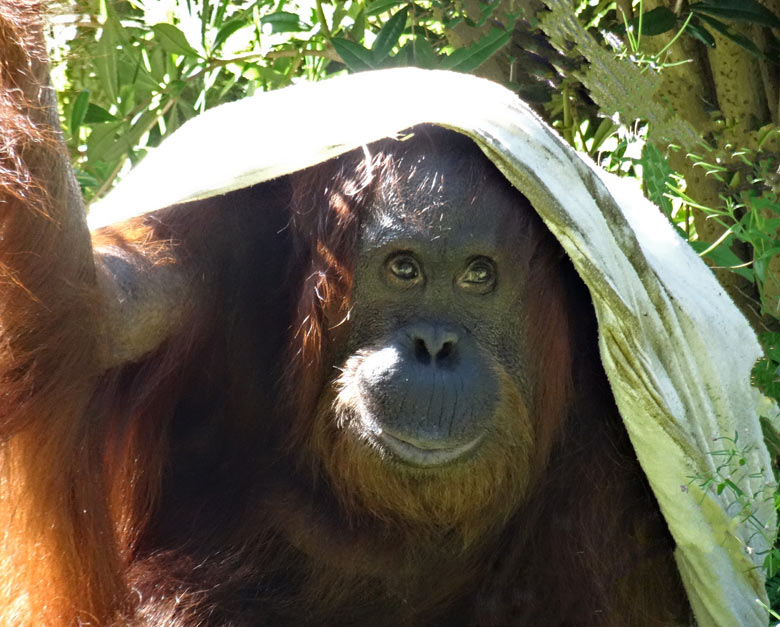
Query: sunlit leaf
[[382, 6], [228, 29], [80, 106], [126, 141], [354, 55], [173, 40], [656, 174], [469, 59], [388, 37], [423, 54], [106, 58], [284, 22], [101, 139]]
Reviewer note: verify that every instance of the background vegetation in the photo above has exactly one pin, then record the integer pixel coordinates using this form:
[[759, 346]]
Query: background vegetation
[[682, 95]]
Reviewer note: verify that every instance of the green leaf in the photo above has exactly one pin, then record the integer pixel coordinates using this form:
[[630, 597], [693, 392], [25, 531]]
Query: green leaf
[[697, 31], [723, 257], [80, 106], [126, 141], [284, 22], [771, 344], [604, 130], [173, 40], [382, 6], [358, 30], [106, 58], [733, 486], [224, 33], [85, 179], [205, 18], [766, 377], [339, 13], [423, 54], [131, 70], [656, 174], [738, 39], [356, 57], [659, 20], [388, 37], [100, 140], [96, 114], [771, 436], [157, 58], [469, 59], [741, 10]]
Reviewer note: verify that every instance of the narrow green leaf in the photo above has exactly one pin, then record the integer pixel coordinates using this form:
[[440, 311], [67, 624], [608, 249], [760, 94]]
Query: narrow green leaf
[[469, 59], [157, 59], [358, 30], [105, 59], [423, 54], [457, 56], [604, 130], [734, 487], [205, 15], [85, 179], [173, 40], [388, 37], [126, 141], [382, 6], [339, 13], [738, 39], [284, 22], [96, 114], [771, 436], [697, 31], [228, 29], [131, 70], [723, 257], [355, 56], [219, 15], [100, 140], [80, 106], [740, 10], [656, 173]]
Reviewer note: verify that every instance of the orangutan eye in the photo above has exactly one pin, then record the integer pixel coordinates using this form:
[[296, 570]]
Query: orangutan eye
[[479, 276], [404, 268]]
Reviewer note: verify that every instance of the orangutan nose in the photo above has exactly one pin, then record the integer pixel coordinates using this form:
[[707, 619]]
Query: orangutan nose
[[434, 344]]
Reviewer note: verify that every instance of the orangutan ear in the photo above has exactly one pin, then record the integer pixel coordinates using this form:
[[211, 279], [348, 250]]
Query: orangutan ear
[[143, 299]]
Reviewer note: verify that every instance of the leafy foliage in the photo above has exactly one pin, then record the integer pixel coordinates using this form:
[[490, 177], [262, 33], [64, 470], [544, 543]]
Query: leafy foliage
[[146, 67]]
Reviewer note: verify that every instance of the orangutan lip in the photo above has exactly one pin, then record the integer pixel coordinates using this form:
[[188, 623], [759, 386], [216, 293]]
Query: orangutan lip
[[431, 455]]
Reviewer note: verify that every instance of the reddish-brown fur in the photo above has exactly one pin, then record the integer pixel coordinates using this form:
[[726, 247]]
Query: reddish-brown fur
[[190, 489]]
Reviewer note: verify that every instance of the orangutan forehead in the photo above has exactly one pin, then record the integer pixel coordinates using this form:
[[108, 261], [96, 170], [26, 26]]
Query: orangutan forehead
[[444, 204]]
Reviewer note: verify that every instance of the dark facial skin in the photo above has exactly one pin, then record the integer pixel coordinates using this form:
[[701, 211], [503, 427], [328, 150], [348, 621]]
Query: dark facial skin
[[443, 257]]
